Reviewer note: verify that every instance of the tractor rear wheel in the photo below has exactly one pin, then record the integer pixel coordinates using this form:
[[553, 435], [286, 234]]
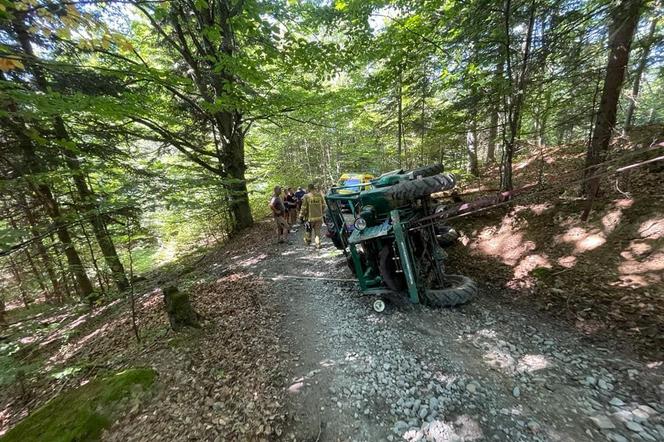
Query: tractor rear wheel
[[414, 189], [427, 170], [460, 290]]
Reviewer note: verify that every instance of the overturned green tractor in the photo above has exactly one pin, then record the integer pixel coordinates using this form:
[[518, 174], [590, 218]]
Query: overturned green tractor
[[392, 240]]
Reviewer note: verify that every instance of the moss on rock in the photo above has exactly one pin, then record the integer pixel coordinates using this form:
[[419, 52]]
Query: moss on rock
[[83, 413]]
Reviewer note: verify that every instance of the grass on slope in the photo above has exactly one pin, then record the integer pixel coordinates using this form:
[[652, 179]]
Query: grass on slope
[[83, 413]]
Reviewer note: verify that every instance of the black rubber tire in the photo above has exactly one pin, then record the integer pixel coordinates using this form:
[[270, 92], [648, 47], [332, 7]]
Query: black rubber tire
[[425, 171], [392, 280], [460, 291], [414, 189]]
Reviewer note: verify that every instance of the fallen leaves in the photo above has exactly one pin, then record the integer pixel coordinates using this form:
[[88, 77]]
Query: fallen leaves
[[224, 382]]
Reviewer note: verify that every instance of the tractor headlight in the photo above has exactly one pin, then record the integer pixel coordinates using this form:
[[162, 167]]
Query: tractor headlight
[[360, 224]]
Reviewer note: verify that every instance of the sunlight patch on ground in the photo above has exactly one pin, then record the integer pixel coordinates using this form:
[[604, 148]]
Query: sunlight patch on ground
[[642, 272], [537, 209], [499, 359], [250, 262], [375, 319], [67, 351], [531, 363], [567, 261], [505, 245], [486, 333], [153, 299], [445, 379], [583, 240], [82, 319], [464, 428], [27, 340], [530, 262], [611, 220], [652, 229]]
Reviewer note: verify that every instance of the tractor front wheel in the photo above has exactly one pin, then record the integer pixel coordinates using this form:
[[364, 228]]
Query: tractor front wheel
[[460, 289], [388, 270]]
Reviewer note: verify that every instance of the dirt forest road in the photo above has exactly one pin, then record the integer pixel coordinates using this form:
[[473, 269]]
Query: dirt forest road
[[481, 372]]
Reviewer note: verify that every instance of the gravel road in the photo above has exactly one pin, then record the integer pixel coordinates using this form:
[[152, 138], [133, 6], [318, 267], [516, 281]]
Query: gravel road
[[481, 372]]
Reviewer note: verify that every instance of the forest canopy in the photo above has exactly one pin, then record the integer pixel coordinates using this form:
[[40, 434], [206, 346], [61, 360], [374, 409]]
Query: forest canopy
[[133, 130]]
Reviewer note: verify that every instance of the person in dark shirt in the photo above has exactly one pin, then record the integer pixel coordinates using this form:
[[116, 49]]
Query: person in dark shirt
[[291, 206], [279, 212], [298, 197]]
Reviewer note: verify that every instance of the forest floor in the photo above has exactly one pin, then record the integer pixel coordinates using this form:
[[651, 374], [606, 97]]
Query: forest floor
[[563, 343]]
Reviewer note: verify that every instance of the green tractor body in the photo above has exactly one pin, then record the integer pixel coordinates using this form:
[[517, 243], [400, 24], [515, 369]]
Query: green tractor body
[[390, 245]]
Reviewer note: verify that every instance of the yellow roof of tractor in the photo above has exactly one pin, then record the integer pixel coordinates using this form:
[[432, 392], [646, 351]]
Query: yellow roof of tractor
[[353, 182]]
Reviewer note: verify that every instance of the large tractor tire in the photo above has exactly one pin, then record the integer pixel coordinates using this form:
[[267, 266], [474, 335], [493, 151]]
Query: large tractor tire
[[425, 171], [388, 270], [419, 188], [461, 289]]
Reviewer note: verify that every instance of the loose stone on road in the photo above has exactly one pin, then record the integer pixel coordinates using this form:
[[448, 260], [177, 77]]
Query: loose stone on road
[[481, 372]]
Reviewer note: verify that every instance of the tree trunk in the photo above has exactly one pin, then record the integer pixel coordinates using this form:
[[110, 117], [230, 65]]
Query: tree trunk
[[517, 95], [399, 118], [19, 282], [624, 20], [38, 275], [639, 72], [493, 134], [44, 194], [84, 286], [471, 149], [3, 311], [85, 194], [42, 251], [233, 160], [93, 216], [33, 267], [495, 119]]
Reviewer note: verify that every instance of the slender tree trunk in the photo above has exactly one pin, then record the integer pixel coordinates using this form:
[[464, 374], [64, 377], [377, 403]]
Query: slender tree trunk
[[3, 310], [43, 190], [639, 73], [422, 122], [495, 119], [93, 258], [19, 282], [84, 286], [399, 118], [493, 134], [471, 149], [517, 95], [42, 251], [95, 219], [624, 20], [69, 289], [35, 270], [85, 194], [38, 275]]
